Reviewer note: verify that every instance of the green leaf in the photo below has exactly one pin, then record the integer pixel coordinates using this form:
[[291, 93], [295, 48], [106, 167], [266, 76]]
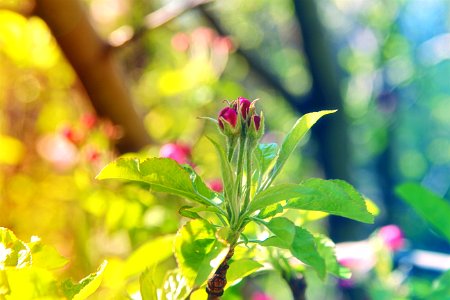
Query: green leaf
[[227, 172], [199, 186], [431, 207], [298, 240], [147, 286], [335, 197], [29, 283], [326, 249], [13, 252], [273, 195], [240, 269], [265, 154], [441, 288], [5, 289], [175, 286], [270, 211], [86, 286], [186, 211], [291, 140], [47, 257], [198, 252], [163, 175], [149, 254], [283, 229], [331, 196]]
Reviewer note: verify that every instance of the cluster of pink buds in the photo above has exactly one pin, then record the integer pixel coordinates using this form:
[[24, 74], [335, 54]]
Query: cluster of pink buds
[[239, 117]]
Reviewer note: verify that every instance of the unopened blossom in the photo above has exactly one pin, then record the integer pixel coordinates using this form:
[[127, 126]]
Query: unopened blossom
[[228, 115], [243, 105]]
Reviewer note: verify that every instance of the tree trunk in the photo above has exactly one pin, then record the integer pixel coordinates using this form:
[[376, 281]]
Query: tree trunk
[[331, 134], [95, 66]]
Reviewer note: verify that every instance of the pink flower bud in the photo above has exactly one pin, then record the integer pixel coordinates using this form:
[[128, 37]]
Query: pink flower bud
[[257, 121], [229, 115], [216, 185], [392, 236], [178, 152], [242, 104]]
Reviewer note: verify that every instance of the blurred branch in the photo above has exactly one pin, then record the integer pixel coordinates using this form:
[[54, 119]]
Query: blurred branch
[[332, 135], [24, 8], [299, 103], [95, 66], [124, 35]]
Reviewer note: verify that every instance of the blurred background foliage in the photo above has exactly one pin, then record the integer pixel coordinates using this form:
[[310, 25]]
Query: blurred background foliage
[[389, 61]]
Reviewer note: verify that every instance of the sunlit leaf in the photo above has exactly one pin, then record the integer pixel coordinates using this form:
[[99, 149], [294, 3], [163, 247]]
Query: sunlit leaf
[[270, 211], [163, 175], [298, 240], [86, 286], [227, 172], [175, 286], [325, 247], [265, 154], [47, 257], [147, 286], [441, 288], [372, 207], [240, 269], [198, 251], [13, 252], [291, 140], [31, 283], [151, 253], [4, 284], [428, 205], [186, 211], [331, 196]]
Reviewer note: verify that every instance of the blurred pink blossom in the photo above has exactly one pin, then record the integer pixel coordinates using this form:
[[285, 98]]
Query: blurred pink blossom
[[180, 42], [89, 120], [216, 185], [58, 150], [392, 236], [260, 296], [359, 256], [72, 135], [93, 155], [181, 153]]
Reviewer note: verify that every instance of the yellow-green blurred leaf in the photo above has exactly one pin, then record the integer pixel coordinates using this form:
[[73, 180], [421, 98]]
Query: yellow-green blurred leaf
[[149, 254], [86, 286], [11, 150]]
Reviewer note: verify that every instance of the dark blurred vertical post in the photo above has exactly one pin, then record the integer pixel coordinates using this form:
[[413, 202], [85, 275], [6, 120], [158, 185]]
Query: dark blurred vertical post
[[96, 67], [331, 134]]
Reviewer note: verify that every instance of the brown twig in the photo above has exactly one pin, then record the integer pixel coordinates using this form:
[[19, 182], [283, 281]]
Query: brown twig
[[152, 21], [216, 284]]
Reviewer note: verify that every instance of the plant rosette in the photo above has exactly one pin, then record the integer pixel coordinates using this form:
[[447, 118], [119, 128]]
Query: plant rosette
[[205, 245]]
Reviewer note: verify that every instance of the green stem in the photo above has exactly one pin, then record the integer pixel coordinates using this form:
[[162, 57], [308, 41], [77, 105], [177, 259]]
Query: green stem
[[249, 176], [231, 144], [238, 184]]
